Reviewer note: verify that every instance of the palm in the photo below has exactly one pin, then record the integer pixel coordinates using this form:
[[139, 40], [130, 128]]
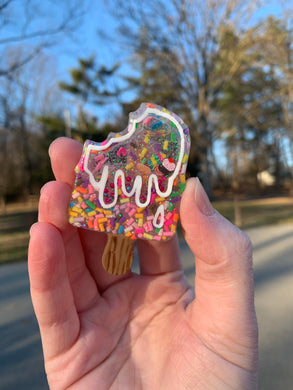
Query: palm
[[126, 336], [137, 331]]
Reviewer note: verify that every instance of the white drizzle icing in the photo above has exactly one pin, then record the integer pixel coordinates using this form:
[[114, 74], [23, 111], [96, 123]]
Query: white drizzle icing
[[159, 214], [137, 185]]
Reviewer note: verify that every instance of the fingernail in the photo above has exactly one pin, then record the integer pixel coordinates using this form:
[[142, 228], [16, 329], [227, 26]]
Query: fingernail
[[56, 140], [42, 188], [45, 186], [32, 228], [202, 200]]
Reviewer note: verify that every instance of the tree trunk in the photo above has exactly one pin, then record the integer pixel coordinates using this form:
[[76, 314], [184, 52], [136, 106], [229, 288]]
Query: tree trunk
[[28, 169], [204, 147], [236, 187]]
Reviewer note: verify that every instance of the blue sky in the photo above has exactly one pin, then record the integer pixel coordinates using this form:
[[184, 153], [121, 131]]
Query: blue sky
[[86, 40], [89, 41]]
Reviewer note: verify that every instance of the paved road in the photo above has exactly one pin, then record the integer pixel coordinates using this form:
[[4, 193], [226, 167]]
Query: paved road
[[274, 304], [21, 364]]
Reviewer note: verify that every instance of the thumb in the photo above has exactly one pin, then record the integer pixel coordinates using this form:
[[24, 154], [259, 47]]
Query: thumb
[[223, 257]]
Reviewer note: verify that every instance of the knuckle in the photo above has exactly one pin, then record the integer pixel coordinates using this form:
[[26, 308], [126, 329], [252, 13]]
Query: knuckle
[[243, 244]]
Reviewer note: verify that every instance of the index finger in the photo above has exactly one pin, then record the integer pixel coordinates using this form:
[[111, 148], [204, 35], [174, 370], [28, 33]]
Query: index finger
[[65, 154]]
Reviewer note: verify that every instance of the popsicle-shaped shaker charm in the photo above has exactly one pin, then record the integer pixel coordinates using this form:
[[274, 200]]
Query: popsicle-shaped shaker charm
[[130, 185]]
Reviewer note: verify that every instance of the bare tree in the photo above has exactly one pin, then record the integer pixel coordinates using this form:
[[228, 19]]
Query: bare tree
[[191, 30], [23, 147], [35, 25]]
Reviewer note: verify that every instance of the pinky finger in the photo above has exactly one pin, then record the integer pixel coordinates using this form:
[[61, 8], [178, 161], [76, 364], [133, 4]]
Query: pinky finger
[[50, 290]]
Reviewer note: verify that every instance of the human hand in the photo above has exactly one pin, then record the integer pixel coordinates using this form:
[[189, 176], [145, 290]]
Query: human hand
[[145, 331]]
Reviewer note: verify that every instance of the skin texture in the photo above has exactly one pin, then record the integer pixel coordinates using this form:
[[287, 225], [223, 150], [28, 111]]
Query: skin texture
[[147, 331]]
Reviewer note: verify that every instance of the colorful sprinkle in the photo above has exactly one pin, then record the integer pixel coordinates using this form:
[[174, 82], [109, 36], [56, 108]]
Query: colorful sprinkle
[[81, 190], [129, 166], [143, 153]]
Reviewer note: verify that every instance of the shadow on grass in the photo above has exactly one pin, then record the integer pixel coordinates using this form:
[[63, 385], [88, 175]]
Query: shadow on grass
[[13, 255], [14, 235], [17, 222]]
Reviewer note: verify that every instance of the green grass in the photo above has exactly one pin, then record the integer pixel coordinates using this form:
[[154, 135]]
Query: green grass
[[14, 254], [260, 212]]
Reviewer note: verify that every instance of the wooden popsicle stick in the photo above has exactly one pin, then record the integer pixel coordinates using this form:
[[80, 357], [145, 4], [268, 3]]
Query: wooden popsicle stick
[[118, 254]]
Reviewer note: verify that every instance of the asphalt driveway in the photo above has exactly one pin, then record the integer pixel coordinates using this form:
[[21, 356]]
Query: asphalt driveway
[[21, 362]]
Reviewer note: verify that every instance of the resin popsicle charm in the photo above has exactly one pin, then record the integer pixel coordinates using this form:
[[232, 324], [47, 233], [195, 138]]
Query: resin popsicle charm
[[130, 185]]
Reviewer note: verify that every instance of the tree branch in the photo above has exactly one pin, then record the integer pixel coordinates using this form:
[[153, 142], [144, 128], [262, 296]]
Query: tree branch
[[4, 5]]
